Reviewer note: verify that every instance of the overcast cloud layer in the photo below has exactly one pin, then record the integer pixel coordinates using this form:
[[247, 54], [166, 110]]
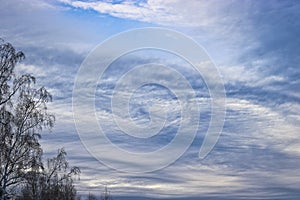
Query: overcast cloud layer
[[255, 46]]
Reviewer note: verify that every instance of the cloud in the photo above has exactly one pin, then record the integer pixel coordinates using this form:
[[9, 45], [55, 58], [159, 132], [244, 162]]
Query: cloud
[[195, 13], [255, 46], [253, 41], [34, 25], [257, 141]]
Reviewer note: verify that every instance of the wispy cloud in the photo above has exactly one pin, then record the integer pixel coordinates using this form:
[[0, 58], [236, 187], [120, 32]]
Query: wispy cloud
[[195, 13], [255, 46]]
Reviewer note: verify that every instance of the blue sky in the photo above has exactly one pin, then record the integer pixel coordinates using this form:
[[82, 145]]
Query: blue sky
[[255, 46]]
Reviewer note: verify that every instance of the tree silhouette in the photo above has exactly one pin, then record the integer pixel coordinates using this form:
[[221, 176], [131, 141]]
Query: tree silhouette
[[91, 197], [106, 195], [52, 182], [23, 115]]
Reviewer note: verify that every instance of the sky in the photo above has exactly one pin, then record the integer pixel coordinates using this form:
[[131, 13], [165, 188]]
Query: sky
[[251, 47]]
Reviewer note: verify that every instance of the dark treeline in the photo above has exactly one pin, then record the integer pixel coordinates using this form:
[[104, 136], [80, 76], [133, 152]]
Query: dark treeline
[[104, 196]]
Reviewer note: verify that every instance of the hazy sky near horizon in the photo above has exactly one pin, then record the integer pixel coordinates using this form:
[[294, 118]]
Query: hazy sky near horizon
[[254, 44]]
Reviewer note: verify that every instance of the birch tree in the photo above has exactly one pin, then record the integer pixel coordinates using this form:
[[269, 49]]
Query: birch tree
[[23, 115]]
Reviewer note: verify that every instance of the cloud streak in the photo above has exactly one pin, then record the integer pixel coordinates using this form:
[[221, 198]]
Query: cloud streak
[[255, 46]]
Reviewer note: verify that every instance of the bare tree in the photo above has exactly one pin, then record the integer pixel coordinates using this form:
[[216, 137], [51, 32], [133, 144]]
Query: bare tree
[[52, 182], [91, 197], [23, 115], [59, 178], [106, 195]]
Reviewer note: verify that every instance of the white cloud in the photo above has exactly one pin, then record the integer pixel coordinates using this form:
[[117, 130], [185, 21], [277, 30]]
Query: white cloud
[[241, 161], [174, 12], [251, 77], [263, 126]]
